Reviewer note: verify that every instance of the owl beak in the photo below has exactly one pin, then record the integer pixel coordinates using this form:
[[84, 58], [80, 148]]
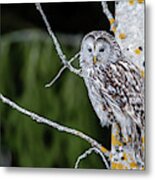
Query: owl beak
[[94, 60]]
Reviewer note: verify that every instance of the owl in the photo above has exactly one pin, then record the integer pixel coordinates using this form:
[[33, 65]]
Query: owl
[[115, 86]]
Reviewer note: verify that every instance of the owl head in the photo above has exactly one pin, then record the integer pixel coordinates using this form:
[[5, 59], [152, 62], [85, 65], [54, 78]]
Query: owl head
[[98, 47]]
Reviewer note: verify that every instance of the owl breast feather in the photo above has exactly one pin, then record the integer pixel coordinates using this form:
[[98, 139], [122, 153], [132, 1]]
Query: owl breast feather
[[116, 93]]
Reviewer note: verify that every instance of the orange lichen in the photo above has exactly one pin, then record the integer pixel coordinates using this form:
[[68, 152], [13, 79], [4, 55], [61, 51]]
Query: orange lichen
[[140, 1], [114, 29], [122, 35]]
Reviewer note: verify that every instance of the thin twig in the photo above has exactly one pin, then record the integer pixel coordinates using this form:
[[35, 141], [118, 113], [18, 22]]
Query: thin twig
[[56, 43], [56, 77], [102, 156], [88, 152], [83, 156], [53, 124], [61, 71]]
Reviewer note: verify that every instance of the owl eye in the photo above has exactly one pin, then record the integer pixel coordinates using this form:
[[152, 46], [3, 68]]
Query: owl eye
[[101, 50], [89, 49]]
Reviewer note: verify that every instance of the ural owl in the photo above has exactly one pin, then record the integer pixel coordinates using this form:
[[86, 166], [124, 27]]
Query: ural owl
[[115, 86]]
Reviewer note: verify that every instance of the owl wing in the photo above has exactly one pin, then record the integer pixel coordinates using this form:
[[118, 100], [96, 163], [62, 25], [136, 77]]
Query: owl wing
[[123, 88]]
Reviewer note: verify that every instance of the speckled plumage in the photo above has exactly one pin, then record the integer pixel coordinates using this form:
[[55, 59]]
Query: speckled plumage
[[115, 86]]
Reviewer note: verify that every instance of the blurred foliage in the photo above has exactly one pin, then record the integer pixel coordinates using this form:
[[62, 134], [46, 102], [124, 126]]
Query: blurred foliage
[[27, 62]]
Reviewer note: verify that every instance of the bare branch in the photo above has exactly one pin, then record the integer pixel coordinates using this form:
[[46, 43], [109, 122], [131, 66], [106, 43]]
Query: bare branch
[[103, 157], [61, 71], [88, 152], [56, 77], [55, 125], [83, 156], [56, 43], [109, 16]]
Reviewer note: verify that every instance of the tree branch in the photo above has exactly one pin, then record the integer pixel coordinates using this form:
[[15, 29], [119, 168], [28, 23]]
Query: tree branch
[[56, 43], [109, 16], [88, 152], [61, 71], [39, 119]]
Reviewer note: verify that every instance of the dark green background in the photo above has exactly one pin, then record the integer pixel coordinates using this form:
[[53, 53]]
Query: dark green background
[[27, 62]]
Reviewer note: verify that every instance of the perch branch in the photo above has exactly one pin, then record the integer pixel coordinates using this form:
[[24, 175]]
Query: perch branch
[[56, 43], [61, 71], [39, 119], [109, 16], [88, 152]]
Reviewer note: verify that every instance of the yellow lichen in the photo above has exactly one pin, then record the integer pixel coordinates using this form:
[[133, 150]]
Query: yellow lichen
[[122, 35], [118, 166], [143, 140], [115, 142], [112, 20], [137, 51], [131, 2], [104, 150], [133, 165], [142, 73], [125, 157]]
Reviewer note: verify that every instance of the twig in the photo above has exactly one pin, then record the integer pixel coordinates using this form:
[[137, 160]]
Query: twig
[[56, 43], [83, 156], [88, 152], [109, 16], [55, 125], [61, 71], [56, 77], [103, 157]]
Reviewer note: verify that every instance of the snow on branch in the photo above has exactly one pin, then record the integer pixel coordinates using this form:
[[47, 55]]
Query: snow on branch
[[39, 119]]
